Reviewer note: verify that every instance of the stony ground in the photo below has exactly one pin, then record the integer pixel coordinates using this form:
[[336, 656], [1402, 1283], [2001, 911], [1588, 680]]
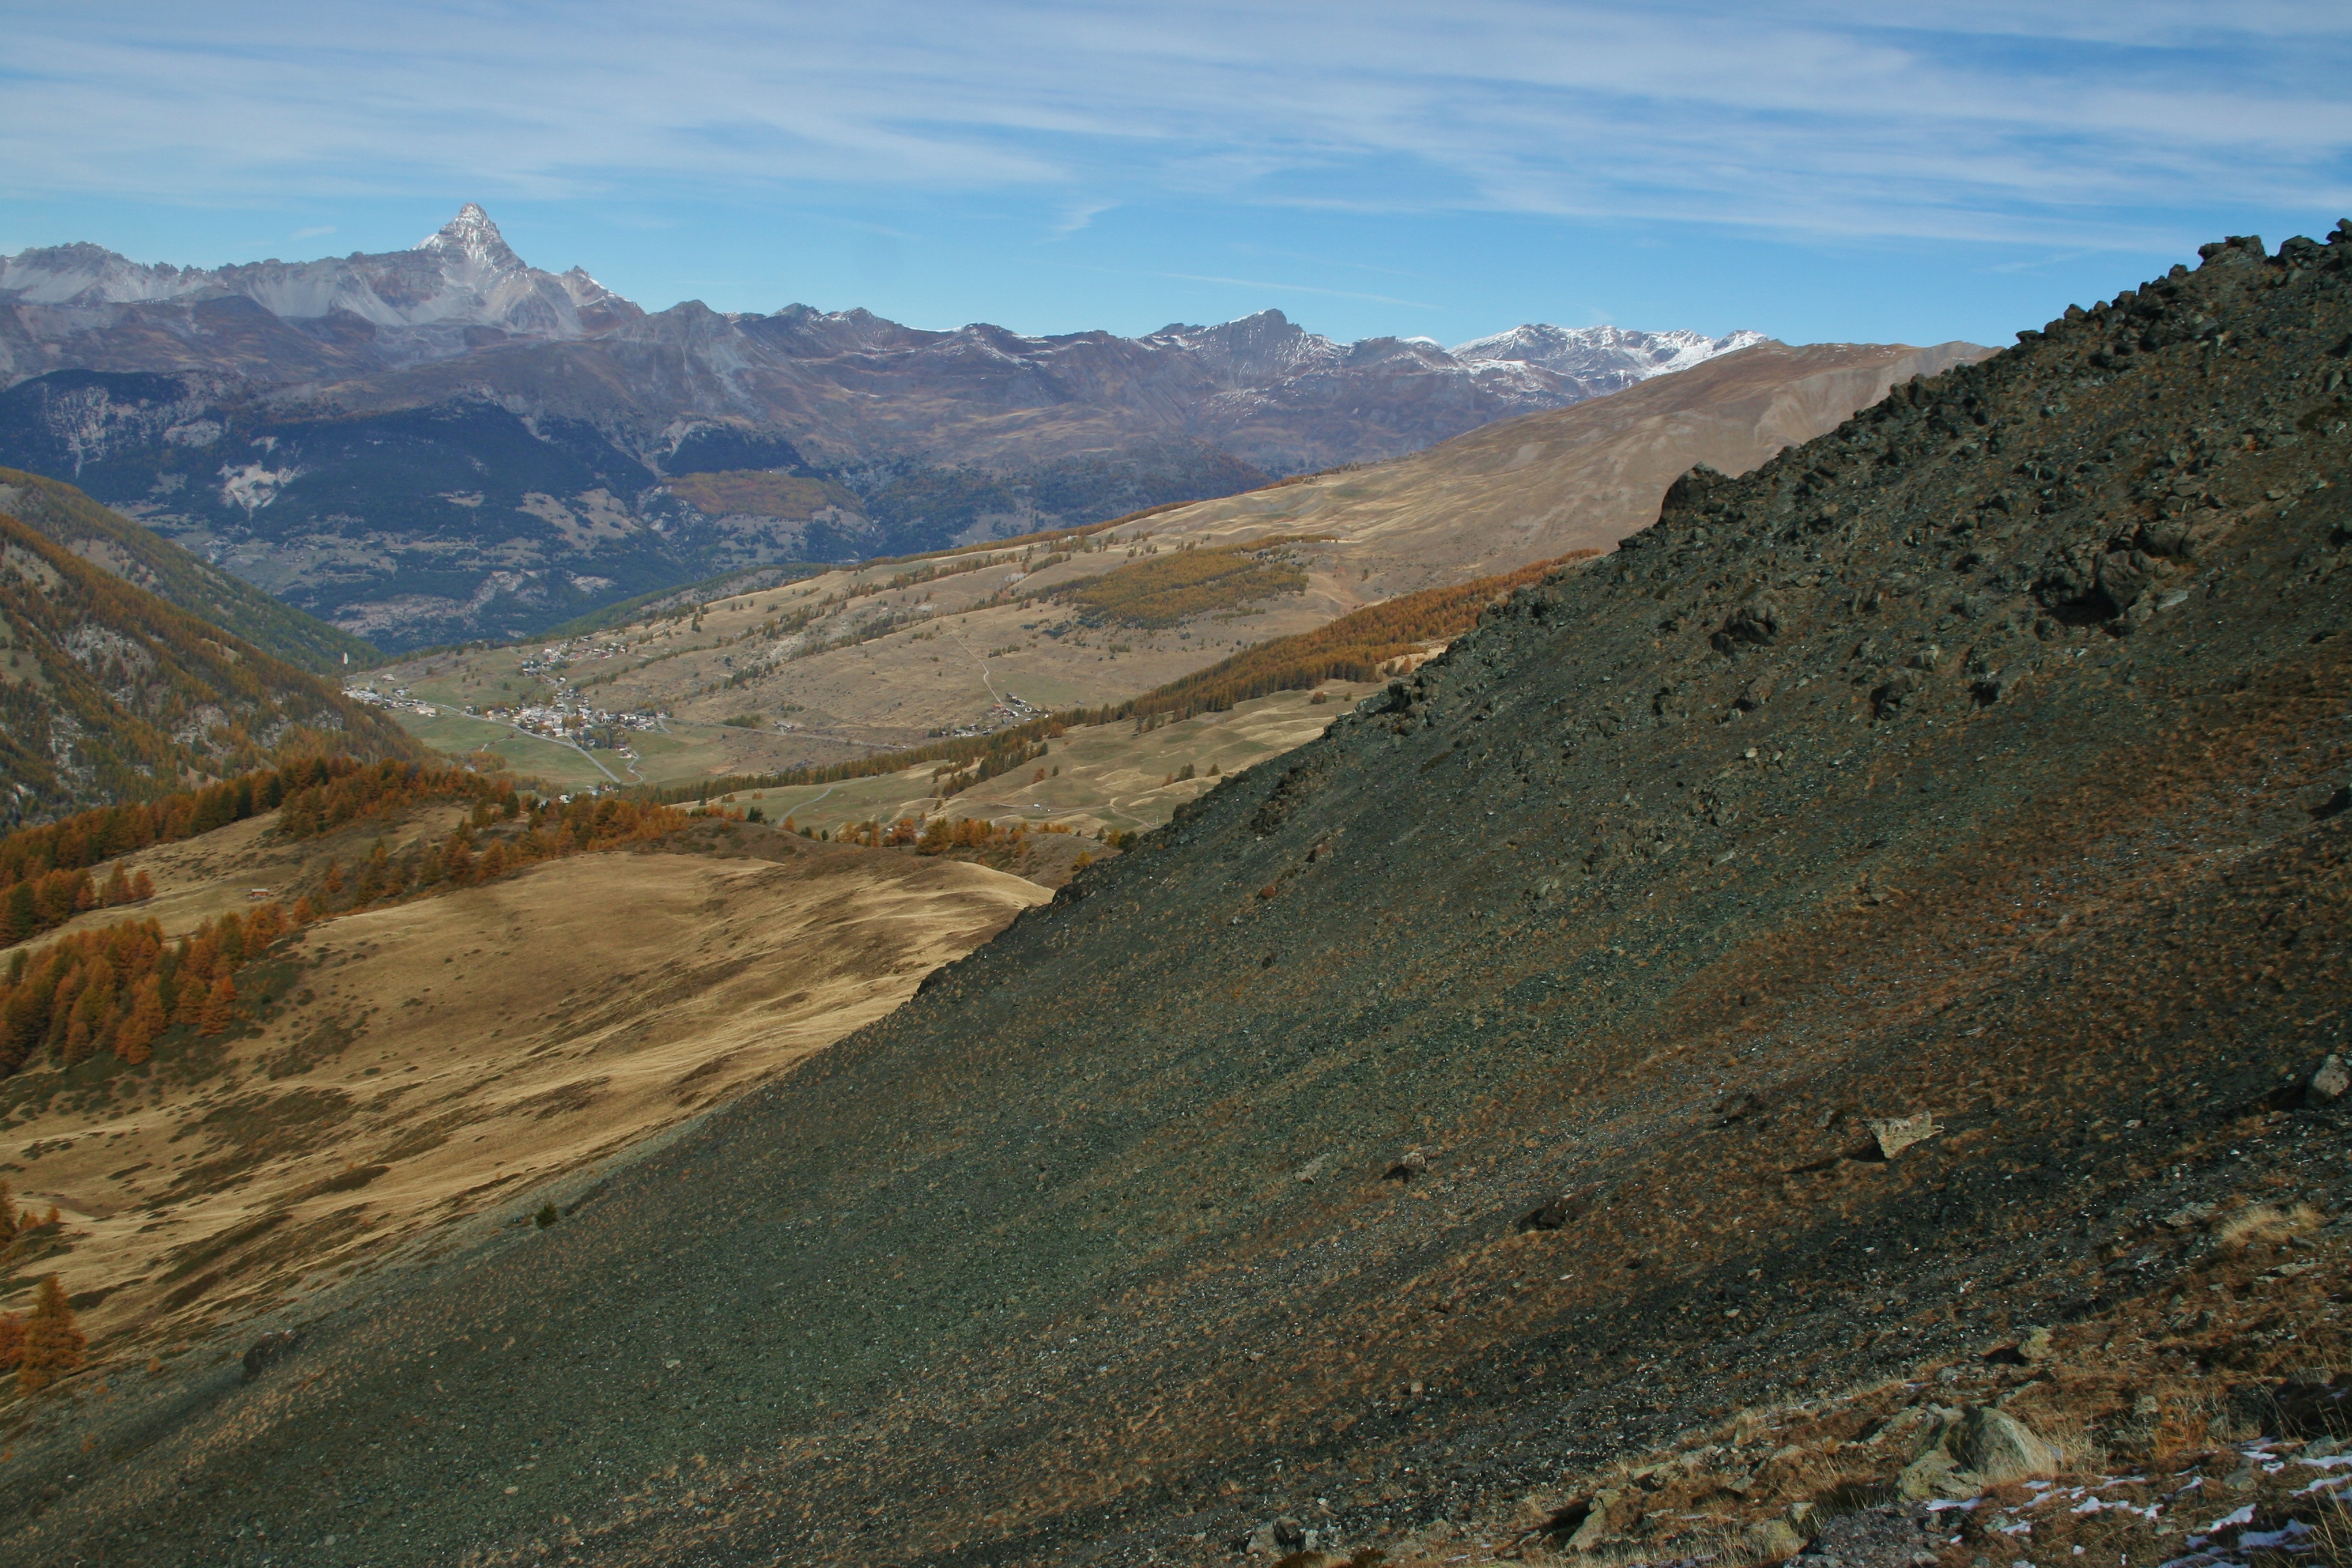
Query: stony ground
[[1839, 934]]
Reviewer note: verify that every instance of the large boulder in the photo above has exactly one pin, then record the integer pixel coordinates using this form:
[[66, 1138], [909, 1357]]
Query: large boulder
[[1981, 1448]]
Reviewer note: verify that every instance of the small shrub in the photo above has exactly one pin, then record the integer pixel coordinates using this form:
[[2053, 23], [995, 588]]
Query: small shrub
[[546, 1216]]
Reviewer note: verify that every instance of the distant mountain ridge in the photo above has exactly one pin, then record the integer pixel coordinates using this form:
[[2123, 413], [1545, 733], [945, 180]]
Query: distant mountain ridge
[[434, 301], [463, 288], [446, 442], [1601, 359]]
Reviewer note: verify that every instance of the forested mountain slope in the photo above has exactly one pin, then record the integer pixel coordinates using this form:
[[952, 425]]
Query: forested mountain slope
[[109, 694], [105, 537], [1490, 1088]]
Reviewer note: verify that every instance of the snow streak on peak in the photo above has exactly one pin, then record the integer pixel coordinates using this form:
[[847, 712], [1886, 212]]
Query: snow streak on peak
[[474, 238], [1600, 352]]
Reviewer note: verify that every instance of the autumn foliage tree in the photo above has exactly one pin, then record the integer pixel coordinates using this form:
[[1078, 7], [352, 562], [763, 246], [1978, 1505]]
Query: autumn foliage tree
[[122, 988], [53, 1341], [46, 871]]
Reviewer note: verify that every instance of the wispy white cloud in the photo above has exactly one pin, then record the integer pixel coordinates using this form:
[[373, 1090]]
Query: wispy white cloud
[[314, 232], [2054, 125], [1080, 217]]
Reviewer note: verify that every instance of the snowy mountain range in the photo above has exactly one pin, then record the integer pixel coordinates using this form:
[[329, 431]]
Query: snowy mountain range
[[379, 438], [463, 296], [1601, 359]]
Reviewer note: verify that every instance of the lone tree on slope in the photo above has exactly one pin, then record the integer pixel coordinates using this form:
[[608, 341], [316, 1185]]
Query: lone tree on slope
[[53, 1341]]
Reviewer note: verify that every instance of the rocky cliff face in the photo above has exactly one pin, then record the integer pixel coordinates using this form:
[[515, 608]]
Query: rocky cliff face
[[1847, 927], [253, 412]]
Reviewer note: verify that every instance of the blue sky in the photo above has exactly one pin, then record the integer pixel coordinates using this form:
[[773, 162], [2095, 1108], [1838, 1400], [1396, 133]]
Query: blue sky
[[1815, 171]]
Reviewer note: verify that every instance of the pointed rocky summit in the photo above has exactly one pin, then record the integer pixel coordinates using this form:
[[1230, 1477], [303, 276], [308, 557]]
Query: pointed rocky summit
[[473, 235]]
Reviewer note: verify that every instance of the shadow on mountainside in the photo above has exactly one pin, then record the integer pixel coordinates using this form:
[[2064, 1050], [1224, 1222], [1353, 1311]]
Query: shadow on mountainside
[[1528, 1072]]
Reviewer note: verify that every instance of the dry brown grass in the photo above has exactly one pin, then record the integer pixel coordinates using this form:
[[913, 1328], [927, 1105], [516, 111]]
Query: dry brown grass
[[2266, 1225], [455, 1053]]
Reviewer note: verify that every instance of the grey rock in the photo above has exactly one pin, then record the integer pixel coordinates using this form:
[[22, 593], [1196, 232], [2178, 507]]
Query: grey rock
[[2000, 1449], [1898, 685], [1754, 624], [1975, 1450], [2170, 538], [270, 1349], [1594, 1527], [1896, 1133], [2328, 1081], [2124, 578], [1278, 1538], [1937, 1473], [1772, 1541]]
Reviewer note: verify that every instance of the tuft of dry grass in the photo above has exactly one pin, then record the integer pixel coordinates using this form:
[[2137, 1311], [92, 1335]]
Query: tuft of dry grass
[[2266, 1225], [2331, 1528]]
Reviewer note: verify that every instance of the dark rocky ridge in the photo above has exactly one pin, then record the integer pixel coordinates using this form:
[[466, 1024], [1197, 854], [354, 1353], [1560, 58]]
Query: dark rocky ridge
[[1985, 758]]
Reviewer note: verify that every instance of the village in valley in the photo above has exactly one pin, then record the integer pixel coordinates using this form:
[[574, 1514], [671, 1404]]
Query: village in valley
[[564, 716]]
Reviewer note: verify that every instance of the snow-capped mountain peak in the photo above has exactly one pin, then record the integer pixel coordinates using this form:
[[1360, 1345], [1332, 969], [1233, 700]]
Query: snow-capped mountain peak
[[429, 302], [1602, 359], [472, 239]]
